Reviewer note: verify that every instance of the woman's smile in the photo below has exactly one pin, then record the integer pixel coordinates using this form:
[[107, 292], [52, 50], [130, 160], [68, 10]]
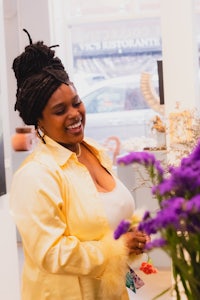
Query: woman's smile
[[75, 127], [63, 118]]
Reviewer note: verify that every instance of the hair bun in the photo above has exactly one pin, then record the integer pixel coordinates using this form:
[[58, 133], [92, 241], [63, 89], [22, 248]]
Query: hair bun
[[39, 73], [33, 60]]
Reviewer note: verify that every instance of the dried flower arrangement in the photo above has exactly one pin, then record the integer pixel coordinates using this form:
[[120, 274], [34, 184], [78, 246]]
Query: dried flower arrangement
[[184, 133], [158, 124]]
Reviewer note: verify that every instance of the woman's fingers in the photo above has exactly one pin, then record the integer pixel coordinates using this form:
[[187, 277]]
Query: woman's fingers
[[135, 241]]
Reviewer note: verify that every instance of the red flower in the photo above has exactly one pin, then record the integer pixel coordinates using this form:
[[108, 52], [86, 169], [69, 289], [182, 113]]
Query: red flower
[[148, 268]]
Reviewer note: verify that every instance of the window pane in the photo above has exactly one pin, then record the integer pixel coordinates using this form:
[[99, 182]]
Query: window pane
[[108, 59]]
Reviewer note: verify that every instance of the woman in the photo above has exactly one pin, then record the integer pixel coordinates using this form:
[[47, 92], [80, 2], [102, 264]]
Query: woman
[[65, 200]]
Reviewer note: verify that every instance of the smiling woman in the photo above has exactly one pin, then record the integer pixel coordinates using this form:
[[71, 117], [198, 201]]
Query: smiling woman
[[57, 194], [63, 118]]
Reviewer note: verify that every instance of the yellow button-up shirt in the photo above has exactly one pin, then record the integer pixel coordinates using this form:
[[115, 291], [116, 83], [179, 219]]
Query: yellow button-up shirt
[[69, 251]]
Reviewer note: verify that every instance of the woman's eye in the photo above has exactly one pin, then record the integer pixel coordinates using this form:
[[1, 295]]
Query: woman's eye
[[60, 112], [77, 104]]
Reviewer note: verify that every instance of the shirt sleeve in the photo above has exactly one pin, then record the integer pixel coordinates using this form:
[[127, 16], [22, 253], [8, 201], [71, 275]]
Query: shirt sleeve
[[37, 206]]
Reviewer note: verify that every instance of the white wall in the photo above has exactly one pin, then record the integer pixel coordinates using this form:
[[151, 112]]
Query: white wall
[[16, 15], [5, 88], [180, 54], [9, 270], [19, 14]]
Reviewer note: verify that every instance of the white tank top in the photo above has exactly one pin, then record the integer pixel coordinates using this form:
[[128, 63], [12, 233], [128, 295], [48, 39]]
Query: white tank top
[[118, 204]]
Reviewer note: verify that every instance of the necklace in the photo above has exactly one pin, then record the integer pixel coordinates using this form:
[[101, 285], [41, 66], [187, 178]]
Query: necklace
[[78, 154]]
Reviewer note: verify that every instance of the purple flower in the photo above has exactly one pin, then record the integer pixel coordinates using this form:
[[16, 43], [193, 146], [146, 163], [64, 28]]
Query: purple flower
[[137, 157], [147, 160], [149, 226], [122, 228], [192, 208], [195, 155], [174, 203], [146, 216], [157, 243], [193, 205], [177, 221], [163, 188], [169, 216]]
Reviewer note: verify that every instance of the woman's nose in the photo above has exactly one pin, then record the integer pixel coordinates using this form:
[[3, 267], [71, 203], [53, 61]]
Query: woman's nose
[[73, 112]]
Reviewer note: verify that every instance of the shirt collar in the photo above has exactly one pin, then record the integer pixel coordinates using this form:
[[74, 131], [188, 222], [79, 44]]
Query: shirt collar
[[62, 154]]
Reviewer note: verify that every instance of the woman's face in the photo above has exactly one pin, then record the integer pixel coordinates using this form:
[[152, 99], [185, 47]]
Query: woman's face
[[63, 118]]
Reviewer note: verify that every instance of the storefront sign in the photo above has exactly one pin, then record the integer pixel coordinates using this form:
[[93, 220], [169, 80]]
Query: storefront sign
[[116, 38], [113, 47]]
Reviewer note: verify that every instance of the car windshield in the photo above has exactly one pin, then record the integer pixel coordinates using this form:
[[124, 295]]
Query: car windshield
[[117, 108], [114, 98]]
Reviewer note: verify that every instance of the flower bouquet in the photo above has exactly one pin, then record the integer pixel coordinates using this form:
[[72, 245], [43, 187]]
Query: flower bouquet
[[133, 281], [177, 221]]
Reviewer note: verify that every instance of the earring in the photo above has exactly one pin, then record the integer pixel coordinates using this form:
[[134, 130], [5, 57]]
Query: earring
[[41, 134]]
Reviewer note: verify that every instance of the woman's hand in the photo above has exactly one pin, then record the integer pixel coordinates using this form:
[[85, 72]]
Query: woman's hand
[[135, 241]]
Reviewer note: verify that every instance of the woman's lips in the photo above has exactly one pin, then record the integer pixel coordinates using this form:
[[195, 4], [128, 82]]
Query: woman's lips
[[76, 127]]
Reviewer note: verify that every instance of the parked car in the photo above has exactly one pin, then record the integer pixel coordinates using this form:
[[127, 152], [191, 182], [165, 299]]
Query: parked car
[[116, 107], [84, 81]]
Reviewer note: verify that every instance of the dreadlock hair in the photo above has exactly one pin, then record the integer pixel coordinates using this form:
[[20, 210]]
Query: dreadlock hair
[[39, 73]]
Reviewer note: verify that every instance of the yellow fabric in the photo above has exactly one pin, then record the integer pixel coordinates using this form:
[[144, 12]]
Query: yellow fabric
[[69, 250]]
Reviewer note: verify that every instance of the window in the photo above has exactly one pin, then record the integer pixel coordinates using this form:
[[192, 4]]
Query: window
[[113, 42]]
